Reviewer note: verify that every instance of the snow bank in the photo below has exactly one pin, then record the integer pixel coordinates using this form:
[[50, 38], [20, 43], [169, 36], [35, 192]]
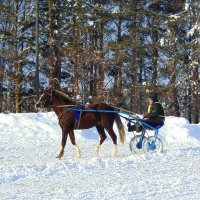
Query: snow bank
[[176, 129], [30, 125]]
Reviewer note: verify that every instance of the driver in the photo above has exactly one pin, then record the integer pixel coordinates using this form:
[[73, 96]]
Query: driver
[[154, 115]]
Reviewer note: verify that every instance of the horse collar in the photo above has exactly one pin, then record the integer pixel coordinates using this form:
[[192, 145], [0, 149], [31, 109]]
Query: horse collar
[[61, 114]]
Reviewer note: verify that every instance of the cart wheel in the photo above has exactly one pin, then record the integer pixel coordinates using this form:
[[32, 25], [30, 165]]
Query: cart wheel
[[136, 144], [152, 145]]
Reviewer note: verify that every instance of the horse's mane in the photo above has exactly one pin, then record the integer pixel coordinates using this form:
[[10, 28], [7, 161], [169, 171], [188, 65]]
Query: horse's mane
[[63, 95]]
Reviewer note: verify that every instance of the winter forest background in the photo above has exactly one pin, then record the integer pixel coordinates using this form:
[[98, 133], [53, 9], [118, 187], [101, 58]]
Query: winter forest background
[[114, 51]]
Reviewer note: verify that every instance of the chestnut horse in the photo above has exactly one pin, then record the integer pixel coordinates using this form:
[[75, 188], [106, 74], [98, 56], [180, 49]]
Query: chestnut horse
[[67, 120]]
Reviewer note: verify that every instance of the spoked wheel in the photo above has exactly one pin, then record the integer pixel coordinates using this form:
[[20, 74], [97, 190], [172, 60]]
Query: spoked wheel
[[136, 144], [152, 145]]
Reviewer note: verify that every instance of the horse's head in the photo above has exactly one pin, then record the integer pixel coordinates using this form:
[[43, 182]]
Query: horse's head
[[45, 99], [53, 97]]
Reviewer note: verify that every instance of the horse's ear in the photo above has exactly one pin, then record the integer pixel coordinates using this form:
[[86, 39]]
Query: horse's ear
[[55, 84]]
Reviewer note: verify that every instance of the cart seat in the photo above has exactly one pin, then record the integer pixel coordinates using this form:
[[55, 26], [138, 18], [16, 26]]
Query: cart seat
[[159, 125]]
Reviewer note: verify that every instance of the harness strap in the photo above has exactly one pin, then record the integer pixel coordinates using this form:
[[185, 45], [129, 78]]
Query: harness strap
[[61, 114], [79, 120]]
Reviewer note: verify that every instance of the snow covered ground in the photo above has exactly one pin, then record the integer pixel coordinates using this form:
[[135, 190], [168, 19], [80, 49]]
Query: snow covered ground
[[30, 142]]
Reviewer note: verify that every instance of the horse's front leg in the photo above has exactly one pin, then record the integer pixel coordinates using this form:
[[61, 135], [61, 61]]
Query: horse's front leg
[[63, 143], [73, 141]]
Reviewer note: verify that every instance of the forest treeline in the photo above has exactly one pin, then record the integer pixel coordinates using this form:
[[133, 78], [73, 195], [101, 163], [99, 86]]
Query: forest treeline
[[115, 51]]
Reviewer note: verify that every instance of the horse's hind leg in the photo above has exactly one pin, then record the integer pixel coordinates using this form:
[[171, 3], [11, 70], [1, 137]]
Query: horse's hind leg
[[103, 136], [73, 141], [114, 139]]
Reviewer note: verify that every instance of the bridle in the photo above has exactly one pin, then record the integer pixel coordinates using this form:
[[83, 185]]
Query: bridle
[[48, 99]]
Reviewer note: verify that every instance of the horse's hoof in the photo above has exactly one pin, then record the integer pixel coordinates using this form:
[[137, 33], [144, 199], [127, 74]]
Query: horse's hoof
[[59, 156], [78, 151]]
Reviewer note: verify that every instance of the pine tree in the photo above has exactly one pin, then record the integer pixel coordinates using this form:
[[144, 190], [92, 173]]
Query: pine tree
[[194, 34], [16, 49]]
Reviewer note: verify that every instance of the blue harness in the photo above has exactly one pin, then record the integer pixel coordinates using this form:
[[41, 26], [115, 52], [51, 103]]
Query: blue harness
[[80, 107]]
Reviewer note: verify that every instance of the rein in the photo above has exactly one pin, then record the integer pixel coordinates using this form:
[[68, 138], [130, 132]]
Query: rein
[[61, 106], [126, 111], [68, 105]]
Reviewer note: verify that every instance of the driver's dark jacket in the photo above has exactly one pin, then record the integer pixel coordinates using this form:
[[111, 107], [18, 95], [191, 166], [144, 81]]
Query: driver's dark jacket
[[154, 117], [155, 113]]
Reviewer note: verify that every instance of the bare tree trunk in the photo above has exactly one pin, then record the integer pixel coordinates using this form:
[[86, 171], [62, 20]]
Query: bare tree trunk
[[1, 85], [10, 100], [118, 71], [57, 24], [50, 41], [91, 64], [189, 104], [95, 66], [140, 80], [175, 110], [58, 65], [95, 80], [91, 80], [17, 65], [75, 53], [154, 50], [195, 95], [134, 66], [37, 79], [18, 73], [76, 89], [101, 66]]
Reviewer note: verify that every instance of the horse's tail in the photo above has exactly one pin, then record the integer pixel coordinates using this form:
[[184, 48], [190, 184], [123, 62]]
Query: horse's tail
[[120, 127]]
